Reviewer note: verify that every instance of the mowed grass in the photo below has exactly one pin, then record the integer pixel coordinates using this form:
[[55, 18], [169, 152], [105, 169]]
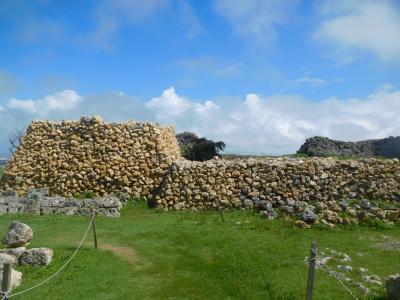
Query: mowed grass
[[147, 254]]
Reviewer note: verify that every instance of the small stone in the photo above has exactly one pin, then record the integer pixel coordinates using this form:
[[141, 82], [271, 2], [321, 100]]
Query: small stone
[[248, 203], [365, 204], [308, 216], [372, 279], [264, 205], [302, 224], [268, 214], [345, 268]]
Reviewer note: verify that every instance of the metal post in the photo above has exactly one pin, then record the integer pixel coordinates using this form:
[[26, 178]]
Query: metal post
[[311, 271], [94, 229], [221, 213], [6, 281]]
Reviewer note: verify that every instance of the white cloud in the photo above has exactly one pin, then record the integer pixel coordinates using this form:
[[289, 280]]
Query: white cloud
[[171, 107], [256, 19], [65, 100], [275, 124], [355, 27]]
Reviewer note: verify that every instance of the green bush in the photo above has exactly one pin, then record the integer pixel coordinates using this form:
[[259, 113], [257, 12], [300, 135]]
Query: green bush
[[198, 149]]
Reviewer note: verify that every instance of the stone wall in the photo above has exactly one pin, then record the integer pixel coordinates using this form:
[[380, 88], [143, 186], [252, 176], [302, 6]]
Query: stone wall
[[90, 155], [278, 181], [43, 204], [322, 146]]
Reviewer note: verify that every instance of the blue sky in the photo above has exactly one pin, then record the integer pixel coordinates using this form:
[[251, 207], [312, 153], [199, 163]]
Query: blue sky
[[261, 75]]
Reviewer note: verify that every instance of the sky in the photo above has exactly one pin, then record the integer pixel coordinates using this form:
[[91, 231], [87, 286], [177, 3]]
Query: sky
[[260, 75]]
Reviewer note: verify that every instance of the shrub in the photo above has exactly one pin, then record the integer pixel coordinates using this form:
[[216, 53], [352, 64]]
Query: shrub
[[198, 149]]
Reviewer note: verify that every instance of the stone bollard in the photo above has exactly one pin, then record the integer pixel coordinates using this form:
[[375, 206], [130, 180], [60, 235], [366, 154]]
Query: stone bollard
[[393, 287]]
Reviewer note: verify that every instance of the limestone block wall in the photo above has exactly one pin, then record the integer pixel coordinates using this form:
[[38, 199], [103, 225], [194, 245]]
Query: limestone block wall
[[43, 205], [278, 180], [91, 155]]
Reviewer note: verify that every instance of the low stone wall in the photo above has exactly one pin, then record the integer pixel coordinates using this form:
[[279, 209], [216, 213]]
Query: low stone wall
[[44, 205], [229, 183], [75, 157]]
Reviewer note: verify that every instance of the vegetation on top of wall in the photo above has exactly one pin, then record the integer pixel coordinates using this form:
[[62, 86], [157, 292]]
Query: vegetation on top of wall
[[198, 149]]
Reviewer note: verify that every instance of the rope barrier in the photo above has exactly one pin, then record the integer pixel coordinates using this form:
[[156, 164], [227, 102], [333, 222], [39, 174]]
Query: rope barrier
[[59, 270], [337, 277], [5, 295]]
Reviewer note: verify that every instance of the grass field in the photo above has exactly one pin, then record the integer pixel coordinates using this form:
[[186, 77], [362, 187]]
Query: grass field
[[185, 255]]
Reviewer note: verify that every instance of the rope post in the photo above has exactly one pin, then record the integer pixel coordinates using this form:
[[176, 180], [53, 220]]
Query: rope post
[[221, 213], [311, 271], [94, 228], [6, 281]]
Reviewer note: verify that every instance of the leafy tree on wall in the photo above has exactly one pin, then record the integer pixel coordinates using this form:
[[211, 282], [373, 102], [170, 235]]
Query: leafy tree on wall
[[198, 149]]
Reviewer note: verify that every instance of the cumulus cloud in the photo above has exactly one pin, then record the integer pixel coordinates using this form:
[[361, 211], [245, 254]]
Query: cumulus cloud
[[274, 124], [280, 123], [64, 100], [256, 19], [353, 27]]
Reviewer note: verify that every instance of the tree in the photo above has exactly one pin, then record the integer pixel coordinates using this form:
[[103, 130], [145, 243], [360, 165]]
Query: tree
[[198, 149], [14, 140], [186, 141]]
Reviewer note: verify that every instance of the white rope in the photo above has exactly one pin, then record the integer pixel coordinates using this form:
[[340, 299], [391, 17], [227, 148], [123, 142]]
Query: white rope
[[4, 295], [59, 270], [335, 275]]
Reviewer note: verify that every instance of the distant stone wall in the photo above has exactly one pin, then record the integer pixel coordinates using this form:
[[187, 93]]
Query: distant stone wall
[[322, 146], [278, 181], [90, 155], [45, 205]]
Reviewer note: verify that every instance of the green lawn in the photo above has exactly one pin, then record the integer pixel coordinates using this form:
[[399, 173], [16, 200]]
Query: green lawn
[[187, 255]]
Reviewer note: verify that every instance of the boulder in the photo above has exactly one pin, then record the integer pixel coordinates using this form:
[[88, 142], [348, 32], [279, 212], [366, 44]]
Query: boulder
[[36, 257], [393, 287], [19, 234], [17, 252], [16, 277]]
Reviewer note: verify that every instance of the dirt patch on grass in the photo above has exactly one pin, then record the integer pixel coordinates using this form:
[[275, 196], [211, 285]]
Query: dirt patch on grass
[[125, 253]]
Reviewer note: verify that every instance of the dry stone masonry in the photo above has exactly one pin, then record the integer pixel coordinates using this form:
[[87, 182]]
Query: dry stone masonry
[[74, 157], [143, 159], [310, 189], [38, 202]]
